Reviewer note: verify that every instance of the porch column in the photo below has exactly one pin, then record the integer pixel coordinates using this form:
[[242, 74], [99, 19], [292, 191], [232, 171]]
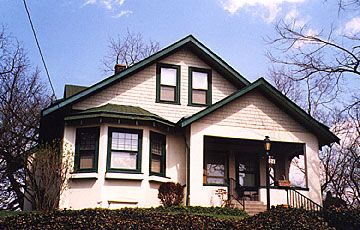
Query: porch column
[[312, 166], [196, 168]]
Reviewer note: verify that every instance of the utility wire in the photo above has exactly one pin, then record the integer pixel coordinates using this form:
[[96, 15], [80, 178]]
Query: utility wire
[[38, 45]]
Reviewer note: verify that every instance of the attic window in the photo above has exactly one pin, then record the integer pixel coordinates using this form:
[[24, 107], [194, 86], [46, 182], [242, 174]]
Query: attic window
[[168, 83], [199, 86]]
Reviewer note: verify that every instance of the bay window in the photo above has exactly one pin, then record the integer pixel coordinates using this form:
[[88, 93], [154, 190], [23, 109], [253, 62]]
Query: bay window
[[86, 149], [124, 150], [157, 154]]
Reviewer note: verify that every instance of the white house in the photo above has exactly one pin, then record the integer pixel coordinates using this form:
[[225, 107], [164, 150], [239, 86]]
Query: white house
[[182, 115]]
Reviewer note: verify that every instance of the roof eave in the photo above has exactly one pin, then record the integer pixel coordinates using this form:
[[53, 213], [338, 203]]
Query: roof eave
[[114, 114]]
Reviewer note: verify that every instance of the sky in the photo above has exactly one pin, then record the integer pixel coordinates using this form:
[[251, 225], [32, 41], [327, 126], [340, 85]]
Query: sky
[[74, 34]]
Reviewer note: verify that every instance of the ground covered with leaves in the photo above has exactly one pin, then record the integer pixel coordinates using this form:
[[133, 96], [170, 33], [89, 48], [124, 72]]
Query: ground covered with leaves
[[182, 218]]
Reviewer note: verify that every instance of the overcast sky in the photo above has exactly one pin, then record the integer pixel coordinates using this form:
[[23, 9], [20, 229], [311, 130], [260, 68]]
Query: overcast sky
[[74, 33]]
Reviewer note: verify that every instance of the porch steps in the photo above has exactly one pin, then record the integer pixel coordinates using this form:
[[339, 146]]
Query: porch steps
[[253, 207]]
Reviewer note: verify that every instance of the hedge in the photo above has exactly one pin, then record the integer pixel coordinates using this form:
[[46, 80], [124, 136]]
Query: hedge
[[183, 218], [342, 218], [285, 218], [213, 211], [113, 219]]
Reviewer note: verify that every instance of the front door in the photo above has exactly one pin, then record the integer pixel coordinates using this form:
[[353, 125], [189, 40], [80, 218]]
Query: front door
[[247, 171]]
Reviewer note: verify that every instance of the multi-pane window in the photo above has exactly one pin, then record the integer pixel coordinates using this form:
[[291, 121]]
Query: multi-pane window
[[124, 149], [215, 168], [168, 83], [199, 86], [86, 149], [157, 153]]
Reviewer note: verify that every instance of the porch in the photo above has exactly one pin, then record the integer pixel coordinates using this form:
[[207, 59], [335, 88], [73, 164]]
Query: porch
[[239, 166]]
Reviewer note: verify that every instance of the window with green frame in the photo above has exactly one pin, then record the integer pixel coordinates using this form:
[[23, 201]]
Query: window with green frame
[[124, 150], [86, 149], [168, 83], [157, 154], [199, 86]]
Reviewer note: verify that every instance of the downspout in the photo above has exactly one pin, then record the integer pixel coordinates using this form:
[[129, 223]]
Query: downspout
[[187, 171]]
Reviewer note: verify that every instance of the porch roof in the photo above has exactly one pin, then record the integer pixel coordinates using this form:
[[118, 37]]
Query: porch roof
[[322, 132], [119, 112]]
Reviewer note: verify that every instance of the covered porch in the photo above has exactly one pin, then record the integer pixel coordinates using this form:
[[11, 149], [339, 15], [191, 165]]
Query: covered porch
[[239, 165]]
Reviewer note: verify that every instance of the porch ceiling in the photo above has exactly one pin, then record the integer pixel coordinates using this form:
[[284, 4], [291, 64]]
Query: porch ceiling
[[253, 146]]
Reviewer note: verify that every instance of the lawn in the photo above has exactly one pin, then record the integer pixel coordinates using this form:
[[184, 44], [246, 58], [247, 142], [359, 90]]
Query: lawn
[[9, 213]]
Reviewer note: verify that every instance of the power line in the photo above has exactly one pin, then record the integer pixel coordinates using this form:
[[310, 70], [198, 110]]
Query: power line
[[38, 45]]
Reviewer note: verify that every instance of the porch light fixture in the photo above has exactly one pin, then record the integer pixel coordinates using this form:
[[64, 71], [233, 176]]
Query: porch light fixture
[[267, 147], [267, 144]]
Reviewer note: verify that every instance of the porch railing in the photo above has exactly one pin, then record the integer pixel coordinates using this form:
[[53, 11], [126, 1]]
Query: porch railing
[[233, 194], [297, 200]]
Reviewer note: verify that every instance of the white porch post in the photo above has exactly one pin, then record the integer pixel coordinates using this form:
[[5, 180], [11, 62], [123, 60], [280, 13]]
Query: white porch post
[[196, 167]]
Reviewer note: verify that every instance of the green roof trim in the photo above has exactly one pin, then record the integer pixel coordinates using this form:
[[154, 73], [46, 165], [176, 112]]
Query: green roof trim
[[191, 41], [71, 90], [119, 112], [323, 133]]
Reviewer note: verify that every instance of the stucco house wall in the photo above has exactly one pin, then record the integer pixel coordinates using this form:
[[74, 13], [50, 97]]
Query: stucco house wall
[[89, 190]]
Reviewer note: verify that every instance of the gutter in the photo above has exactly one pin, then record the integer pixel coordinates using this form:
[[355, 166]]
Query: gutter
[[187, 170]]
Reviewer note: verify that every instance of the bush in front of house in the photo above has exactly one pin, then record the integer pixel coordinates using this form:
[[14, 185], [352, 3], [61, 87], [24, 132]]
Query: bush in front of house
[[333, 202], [171, 194], [181, 218], [285, 218], [198, 210], [126, 218], [342, 218], [339, 215]]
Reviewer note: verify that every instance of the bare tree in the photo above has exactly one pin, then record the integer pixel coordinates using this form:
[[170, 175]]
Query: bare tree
[[348, 4], [47, 172], [341, 163], [22, 96], [128, 50], [316, 69], [320, 60]]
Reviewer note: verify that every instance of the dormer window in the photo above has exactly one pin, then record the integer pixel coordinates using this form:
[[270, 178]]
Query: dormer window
[[199, 86], [168, 83]]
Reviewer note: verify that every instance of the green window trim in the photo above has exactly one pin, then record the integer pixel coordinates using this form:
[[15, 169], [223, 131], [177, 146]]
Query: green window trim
[[162, 139], [208, 91], [77, 168], [139, 151], [158, 83]]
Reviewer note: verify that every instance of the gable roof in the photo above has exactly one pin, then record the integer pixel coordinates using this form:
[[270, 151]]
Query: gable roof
[[190, 42], [324, 135]]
